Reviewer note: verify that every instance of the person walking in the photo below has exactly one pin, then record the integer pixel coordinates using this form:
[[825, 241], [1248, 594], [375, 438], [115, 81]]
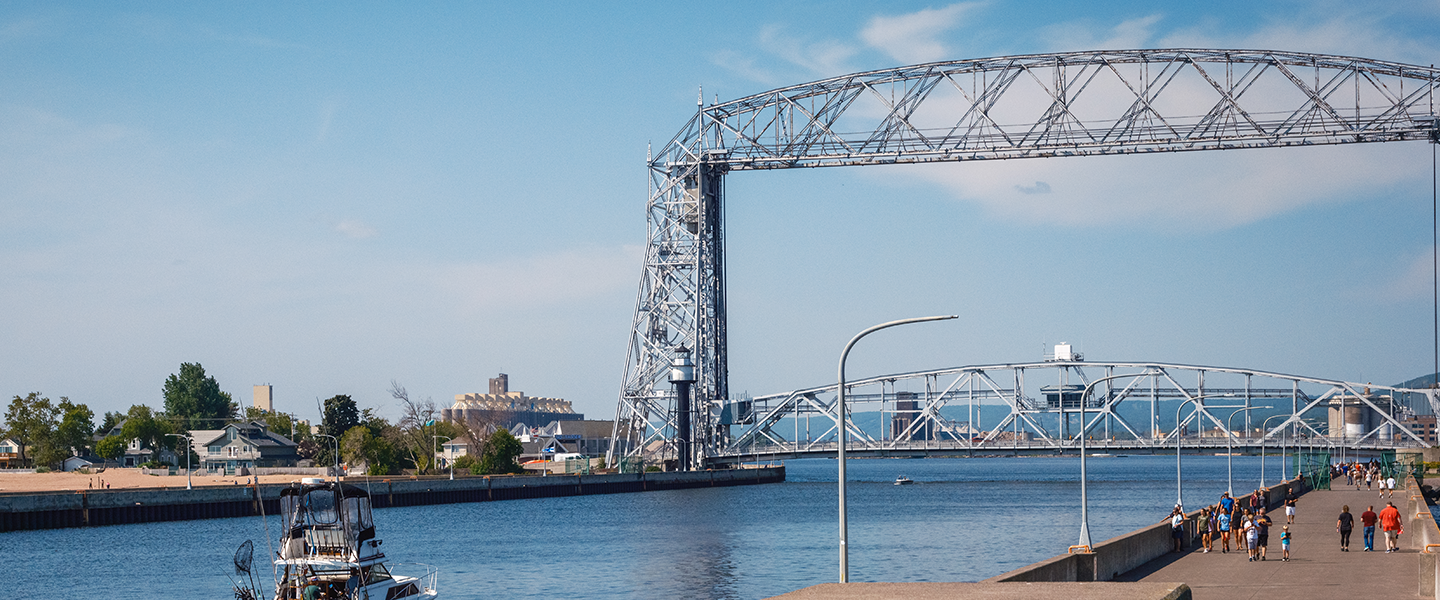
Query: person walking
[[1262, 528], [1390, 522], [1344, 525], [1205, 523], [1222, 521], [1390, 483], [1252, 535], [1290, 501], [1285, 544], [1367, 520]]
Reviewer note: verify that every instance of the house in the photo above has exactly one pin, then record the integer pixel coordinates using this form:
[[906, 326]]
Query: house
[[9, 454], [135, 454], [246, 445], [75, 463]]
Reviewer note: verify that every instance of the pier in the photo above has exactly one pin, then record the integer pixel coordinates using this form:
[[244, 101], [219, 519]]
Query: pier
[[92, 508], [1317, 568], [1143, 565]]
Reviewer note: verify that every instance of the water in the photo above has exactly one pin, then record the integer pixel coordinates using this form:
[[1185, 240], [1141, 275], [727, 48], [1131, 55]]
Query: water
[[964, 520]]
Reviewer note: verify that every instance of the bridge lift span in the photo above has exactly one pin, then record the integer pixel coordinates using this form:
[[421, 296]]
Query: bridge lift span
[[1042, 399], [1031, 106]]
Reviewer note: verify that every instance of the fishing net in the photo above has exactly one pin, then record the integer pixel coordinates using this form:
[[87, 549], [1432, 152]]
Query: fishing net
[[244, 557]]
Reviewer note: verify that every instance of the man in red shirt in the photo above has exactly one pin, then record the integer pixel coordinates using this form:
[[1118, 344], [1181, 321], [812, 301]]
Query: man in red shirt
[[1390, 522], [1368, 519]]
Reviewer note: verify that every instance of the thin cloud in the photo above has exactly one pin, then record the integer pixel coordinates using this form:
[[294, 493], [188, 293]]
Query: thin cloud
[[546, 279], [356, 230], [824, 58], [1182, 191], [1086, 35], [1415, 281], [913, 38]]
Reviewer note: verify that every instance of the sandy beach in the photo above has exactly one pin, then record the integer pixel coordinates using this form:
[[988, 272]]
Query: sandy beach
[[120, 479]]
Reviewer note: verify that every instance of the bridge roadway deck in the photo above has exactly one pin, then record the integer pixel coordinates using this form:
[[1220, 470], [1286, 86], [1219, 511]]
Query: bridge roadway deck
[[1317, 568]]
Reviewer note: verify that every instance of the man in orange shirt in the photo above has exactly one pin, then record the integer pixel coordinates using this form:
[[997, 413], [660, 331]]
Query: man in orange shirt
[[1390, 522]]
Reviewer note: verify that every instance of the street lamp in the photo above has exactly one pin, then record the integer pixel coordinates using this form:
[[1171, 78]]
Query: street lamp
[[189, 444], [1084, 499], [1229, 453], [450, 463], [1179, 436], [1263, 428], [337, 453], [842, 421]]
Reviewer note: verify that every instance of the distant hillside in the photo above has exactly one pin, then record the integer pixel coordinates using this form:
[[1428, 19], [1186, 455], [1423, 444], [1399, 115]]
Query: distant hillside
[[1423, 381]]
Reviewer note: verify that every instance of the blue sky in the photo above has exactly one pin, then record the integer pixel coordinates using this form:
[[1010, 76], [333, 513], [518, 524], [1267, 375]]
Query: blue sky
[[327, 197]]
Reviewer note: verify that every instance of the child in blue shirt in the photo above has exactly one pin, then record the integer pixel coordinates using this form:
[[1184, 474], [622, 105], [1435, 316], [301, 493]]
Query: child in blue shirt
[[1285, 543]]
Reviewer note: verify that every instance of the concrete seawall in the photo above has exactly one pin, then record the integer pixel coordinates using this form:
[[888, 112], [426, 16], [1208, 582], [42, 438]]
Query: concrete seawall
[[91, 508], [1119, 555]]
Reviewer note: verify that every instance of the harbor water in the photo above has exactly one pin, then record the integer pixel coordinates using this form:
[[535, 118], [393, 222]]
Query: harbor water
[[964, 519]]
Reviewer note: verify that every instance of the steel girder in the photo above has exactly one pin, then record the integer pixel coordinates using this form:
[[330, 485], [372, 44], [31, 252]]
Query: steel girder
[[777, 413], [1031, 106], [1068, 104]]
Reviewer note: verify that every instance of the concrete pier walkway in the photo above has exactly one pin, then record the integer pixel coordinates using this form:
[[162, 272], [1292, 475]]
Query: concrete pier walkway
[[1317, 568]]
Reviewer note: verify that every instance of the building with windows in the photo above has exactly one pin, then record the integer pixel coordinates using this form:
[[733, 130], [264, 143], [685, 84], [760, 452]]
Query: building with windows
[[1423, 426], [246, 445], [9, 454], [504, 408]]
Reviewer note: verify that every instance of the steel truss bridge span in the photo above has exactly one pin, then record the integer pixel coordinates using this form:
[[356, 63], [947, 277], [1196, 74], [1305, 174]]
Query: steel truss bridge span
[[1043, 400], [1032, 106]]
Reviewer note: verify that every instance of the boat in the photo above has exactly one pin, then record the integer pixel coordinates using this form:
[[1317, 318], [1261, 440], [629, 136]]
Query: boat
[[329, 542], [903, 480]]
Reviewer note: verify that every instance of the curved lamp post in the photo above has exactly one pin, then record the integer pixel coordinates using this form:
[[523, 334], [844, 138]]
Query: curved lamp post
[[1084, 499], [843, 424], [189, 444], [1263, 428], [436, 442], [1178, 437], [1229, 452]]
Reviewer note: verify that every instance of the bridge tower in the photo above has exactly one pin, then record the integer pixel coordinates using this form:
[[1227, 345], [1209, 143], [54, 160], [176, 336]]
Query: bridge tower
[[1009, 107], [681, 304]]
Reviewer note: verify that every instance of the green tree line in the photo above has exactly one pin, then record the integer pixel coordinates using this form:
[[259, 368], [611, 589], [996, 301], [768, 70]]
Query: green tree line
[[49, 432]]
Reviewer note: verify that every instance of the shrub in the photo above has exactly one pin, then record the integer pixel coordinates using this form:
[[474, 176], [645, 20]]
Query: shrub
[[42, 469]]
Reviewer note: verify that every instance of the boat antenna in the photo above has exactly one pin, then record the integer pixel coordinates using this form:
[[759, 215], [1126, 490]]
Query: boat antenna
[[260, 501]]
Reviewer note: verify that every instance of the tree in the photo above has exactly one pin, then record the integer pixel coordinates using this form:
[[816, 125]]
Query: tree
[[76, 423], [112, 447], [360, 446], [196, 401], [30, 421], [111, 420], [339, 416], [501, 450], [417, 428], [143, 424]]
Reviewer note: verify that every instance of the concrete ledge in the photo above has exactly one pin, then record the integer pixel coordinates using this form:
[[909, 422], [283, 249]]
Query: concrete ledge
[[1098, 590], [49, 510], [1121, 554]]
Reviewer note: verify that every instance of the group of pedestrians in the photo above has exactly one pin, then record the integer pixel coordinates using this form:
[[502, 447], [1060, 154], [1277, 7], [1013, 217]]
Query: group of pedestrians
[[1245, 522], [1370, 474], [1388, 518]]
